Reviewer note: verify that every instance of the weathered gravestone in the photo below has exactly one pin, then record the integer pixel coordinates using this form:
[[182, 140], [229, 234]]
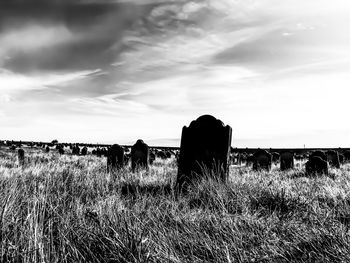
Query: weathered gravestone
[[316, 165], [21, 157], [333, 159], [76, 150], [84, 151], [286, 160], [139, 155], [115, 158], [205, 146], [262, 160]]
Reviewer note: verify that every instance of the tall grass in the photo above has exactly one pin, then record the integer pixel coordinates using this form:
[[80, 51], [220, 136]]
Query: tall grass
[[68, 209]]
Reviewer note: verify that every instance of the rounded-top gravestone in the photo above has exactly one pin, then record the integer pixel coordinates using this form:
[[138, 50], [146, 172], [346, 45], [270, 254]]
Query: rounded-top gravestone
[[262, 160], [139, 155], [316, 165], [205, 146]]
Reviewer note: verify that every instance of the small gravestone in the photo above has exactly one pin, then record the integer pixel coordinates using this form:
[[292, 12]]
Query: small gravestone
[[139, 155], [316, 165], [21, 157], [115, 158], [333, 159], [47, 149], [286, 160], [262, 160], [84, 151], [205, 146], [76, 150]]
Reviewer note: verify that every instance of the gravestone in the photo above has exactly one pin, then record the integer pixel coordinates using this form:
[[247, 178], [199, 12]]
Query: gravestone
[[139, 155], [115, 158], [262, 160], [76, 150], [84, 151], [205, 145], [286, 160], [21, 157], [316, 165], [333, 159], [47, 149]]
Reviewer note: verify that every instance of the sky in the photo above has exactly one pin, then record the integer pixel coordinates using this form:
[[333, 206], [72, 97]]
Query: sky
[[99, 71]]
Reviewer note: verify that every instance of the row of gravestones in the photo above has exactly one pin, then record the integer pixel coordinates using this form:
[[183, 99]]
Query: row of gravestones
[[205, 151], [262, 159]]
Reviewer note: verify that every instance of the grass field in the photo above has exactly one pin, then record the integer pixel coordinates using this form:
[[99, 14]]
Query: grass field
[[68, 209]]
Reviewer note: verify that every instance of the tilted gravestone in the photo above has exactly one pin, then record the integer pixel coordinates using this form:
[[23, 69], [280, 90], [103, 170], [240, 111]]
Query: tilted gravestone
[[262, 160], [115, 158], [205, 146], [139, 155], [333, 159], [21, 157], [286, 160]]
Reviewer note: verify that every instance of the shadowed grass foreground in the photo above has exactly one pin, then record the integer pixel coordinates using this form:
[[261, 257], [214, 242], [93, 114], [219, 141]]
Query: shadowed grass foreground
[[68, 209]]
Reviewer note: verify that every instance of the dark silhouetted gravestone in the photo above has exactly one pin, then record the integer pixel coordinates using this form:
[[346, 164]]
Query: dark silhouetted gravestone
[[286, 160], [115, 157], [47, 149], [205, 145], [76, 150], [139, 155], [21, 157], [84, 151], [316, 165], [333, 159], [262, 160]]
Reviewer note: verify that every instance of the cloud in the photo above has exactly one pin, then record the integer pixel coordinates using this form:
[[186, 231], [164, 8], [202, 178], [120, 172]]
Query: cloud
[[119, 69]]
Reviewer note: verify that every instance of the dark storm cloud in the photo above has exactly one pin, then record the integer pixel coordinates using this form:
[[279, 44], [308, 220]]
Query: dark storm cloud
[[80, 34]]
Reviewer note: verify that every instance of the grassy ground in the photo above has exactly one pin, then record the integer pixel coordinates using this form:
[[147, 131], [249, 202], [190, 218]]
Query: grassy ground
[[67, 209]]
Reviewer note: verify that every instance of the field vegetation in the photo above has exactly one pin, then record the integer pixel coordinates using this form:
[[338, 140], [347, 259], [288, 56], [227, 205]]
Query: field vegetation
[[68, 209]]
